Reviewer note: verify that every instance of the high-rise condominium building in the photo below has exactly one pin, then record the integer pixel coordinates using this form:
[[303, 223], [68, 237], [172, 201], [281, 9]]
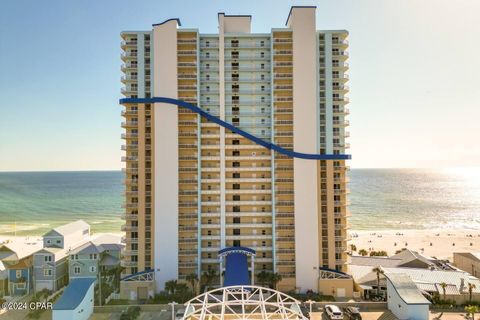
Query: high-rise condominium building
[[194, 187]]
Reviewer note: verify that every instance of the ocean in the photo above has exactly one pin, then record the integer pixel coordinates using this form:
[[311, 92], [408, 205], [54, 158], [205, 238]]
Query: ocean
[[31, 203]]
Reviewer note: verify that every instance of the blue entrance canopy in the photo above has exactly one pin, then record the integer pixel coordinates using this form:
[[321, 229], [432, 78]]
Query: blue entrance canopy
[[236, 270]]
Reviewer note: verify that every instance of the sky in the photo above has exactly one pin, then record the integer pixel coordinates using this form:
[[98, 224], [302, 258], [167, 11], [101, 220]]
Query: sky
[[414, 76]]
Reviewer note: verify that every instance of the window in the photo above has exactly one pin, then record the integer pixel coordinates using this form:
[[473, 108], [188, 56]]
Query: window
[[236, 175], [207, 77], [236, 219], [93, 269], [262, 77], [18, 274], [207, 55], [235, 142], [59, 241], [236, 232], [236, 186], [262, 43], [207, 44], [76, 270], [207, 66], [236, 243], [264, 232], [209, 244], [47, 272], [49, 241], [48, 258], [236, 197], [93, 256], [209, 232]]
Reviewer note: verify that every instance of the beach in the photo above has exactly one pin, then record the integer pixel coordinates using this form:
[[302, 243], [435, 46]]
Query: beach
[[440, 243]]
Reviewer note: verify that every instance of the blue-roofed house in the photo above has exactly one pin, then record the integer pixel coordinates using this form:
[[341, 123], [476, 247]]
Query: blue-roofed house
[[76, 302], [17, 258]]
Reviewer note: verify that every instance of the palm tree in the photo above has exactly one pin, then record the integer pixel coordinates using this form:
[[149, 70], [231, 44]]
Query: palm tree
[[443, 285], [171, 286], [471, 287], [263, 278], [472, 310], [192, 280], [378, 270], [275, 278], [362, 252], [209, 276]]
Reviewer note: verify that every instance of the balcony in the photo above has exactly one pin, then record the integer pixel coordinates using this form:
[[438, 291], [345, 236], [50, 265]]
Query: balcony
[[187, 76], [128, 124], [187, 64], [187, 41], [341, 99], [187, 52], [129, 228], [343, 123], [128, 55], [282, 40], [129, 91], [128, 43], [283, 64], [128, 78], [283, 76], [283, 52]]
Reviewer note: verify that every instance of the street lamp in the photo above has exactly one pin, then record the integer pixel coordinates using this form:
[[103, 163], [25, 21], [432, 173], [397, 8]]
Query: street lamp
[[310, 302], [172, 304]]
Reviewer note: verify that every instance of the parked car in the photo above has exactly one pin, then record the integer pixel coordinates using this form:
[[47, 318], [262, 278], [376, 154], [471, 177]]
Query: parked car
[[333, 312], [179, 314], [305, 311], [352, 313]]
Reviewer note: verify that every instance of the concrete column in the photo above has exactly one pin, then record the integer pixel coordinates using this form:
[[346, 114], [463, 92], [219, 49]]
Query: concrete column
[[252, 268], [165, 154], [305, 126]]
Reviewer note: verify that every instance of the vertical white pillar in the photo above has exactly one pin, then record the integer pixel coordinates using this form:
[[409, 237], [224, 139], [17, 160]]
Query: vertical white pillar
[[221, 91], [305, 127], [252, 268], [221, 271], [165, 154]]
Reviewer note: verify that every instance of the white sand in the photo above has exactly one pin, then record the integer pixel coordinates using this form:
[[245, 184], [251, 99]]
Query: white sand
[[439, 243]]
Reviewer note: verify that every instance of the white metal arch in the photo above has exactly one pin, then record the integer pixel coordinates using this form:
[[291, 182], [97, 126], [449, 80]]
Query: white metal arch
[[243, 302]]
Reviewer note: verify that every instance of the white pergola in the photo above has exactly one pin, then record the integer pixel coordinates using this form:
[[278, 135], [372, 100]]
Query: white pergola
[[243, 302]]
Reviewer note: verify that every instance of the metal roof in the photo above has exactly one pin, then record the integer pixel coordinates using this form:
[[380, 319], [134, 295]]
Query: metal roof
[[70, 228], [375, 261], [365, 275], [73, 294], [406, 288], [20, 248]]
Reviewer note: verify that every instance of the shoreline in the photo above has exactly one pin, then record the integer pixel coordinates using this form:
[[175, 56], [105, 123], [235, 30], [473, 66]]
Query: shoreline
[[439, 243]]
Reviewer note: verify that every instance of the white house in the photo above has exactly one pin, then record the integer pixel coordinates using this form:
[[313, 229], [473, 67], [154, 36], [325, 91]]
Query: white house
[[404, 299], [76, 302]]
